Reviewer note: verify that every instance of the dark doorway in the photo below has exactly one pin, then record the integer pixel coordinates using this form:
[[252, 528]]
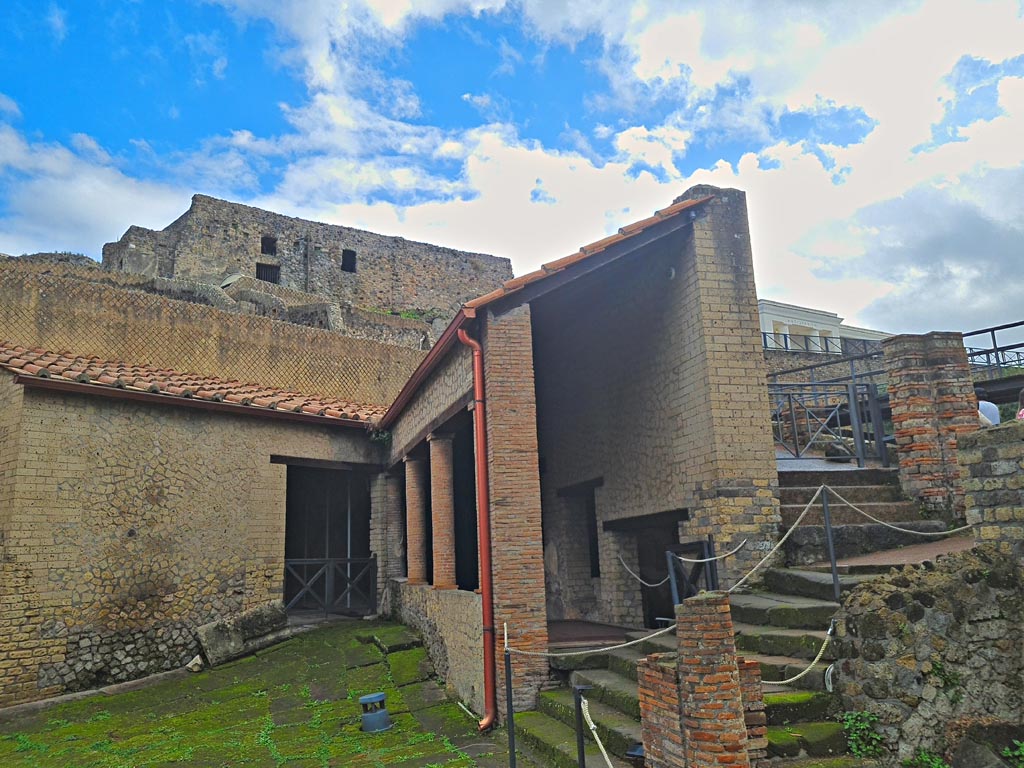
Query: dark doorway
[[327, 542], [651, 545], [467, 569]]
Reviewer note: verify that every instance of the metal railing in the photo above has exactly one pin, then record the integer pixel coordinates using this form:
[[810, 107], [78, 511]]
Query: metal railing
[[829, 345], [334, 585], [998, 359], [811, 416]]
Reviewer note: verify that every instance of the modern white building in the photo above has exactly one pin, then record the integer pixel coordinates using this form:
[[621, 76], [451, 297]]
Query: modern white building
[[802, 329]]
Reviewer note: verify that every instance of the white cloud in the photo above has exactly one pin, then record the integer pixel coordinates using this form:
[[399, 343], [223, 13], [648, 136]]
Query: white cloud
[[57, 21], [9, 106]]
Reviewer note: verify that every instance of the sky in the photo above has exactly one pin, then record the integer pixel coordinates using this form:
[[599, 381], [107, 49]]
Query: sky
[[880, 143]]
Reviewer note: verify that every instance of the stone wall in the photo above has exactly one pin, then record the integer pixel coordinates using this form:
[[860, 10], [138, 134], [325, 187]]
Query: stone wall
[[992, 461], [931, 645], [451, 625], [216, 238], [650, 377], [777, 361], [86, 318], [125, 526], [932, 399]]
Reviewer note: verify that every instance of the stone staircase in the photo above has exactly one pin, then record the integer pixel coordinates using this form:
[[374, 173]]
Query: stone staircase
[[781, 625]]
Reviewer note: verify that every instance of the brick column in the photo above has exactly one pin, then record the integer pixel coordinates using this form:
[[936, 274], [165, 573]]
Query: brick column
[[517, 549], [660, 721], [755, 716], [394, 545], [442, 510], [416, 520], [710, 697], [932, 399]]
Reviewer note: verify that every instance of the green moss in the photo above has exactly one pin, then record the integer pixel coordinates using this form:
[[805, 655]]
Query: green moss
[[295, 705]]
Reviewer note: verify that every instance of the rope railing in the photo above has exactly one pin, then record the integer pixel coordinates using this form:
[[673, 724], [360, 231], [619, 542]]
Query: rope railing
[[855, 508], [585, 706]]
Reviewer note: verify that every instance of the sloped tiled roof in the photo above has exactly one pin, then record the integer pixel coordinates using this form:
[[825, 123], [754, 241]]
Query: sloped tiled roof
[[509, 287], [560, 265], [163, 384]]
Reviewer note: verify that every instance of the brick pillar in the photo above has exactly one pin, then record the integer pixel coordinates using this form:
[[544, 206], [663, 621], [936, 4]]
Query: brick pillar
[[932, 399], [755, 716], [394, 546], [416, 519], [517, 549], [992, 460], [660, 720], [442, 510], [710, 696], [727, 451]]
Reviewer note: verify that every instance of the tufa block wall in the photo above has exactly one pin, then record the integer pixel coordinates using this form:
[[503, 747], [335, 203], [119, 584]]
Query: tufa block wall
[[128, 525], [932, 398], [992, 461], [65, 314], [650, 375], [216, 238]]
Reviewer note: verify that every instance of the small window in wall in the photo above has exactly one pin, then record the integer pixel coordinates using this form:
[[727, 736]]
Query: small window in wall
[[348, 260], [270, 273], [590, 518], [268, 245]]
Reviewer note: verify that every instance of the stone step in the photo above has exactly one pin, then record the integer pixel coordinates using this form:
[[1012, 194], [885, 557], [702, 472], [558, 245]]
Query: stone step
[[789, 706], [610, 688], [552, 743], [618, 732], [623, 661], [801, 494], [841, 514], [784, 667], [774, 641], [813, 584], [813, 739], [665, 643], [788, 611], [806, 544], [789, 478]]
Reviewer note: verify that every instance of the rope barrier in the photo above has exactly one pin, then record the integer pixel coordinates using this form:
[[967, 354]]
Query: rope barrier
[[730, 553], [645, 583], [821, 652], [782, 541], [585, 651], [585, 706], [895, 527]]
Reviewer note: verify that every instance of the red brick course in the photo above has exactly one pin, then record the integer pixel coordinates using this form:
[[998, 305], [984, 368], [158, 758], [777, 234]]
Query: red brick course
[[702, 707], [518, 558], [442, 511], [416, 520], [932, 398]]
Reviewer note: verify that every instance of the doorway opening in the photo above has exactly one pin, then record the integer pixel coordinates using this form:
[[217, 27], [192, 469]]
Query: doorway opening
[[328, 566]]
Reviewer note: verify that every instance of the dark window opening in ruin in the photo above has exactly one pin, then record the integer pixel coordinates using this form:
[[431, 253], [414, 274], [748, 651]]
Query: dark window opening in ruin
[[590, 519], [327, 542], [268, 273], [467, 569], [348, 260], [268, 245]]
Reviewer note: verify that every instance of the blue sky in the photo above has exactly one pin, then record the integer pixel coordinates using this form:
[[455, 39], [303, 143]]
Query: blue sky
[[878, 143]]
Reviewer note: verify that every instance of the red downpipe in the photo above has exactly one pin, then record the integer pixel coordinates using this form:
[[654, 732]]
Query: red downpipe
[[483, 512]]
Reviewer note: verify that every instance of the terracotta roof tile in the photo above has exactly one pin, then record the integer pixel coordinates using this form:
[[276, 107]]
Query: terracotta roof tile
[[552, 267], [175, 385]]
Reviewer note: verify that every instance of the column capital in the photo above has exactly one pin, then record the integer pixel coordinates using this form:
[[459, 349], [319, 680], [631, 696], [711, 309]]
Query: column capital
[[440, 436]]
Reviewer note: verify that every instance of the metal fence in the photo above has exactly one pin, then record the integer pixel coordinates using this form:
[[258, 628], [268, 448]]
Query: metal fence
[[829, 345], [334, 585]]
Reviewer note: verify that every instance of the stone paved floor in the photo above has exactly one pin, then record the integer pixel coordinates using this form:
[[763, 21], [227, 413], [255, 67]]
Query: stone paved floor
[[294, 704]]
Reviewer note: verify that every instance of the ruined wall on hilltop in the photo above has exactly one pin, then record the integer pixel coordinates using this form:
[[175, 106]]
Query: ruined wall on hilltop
[[216, 238]]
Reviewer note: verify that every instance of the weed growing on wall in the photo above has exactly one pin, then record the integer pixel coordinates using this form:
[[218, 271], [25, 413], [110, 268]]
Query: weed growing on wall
[[1015, 754], [925, 759], [861, 737]]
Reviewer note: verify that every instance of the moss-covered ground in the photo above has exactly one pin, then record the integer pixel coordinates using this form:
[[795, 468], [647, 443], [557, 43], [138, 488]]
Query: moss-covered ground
[[295, 704]]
